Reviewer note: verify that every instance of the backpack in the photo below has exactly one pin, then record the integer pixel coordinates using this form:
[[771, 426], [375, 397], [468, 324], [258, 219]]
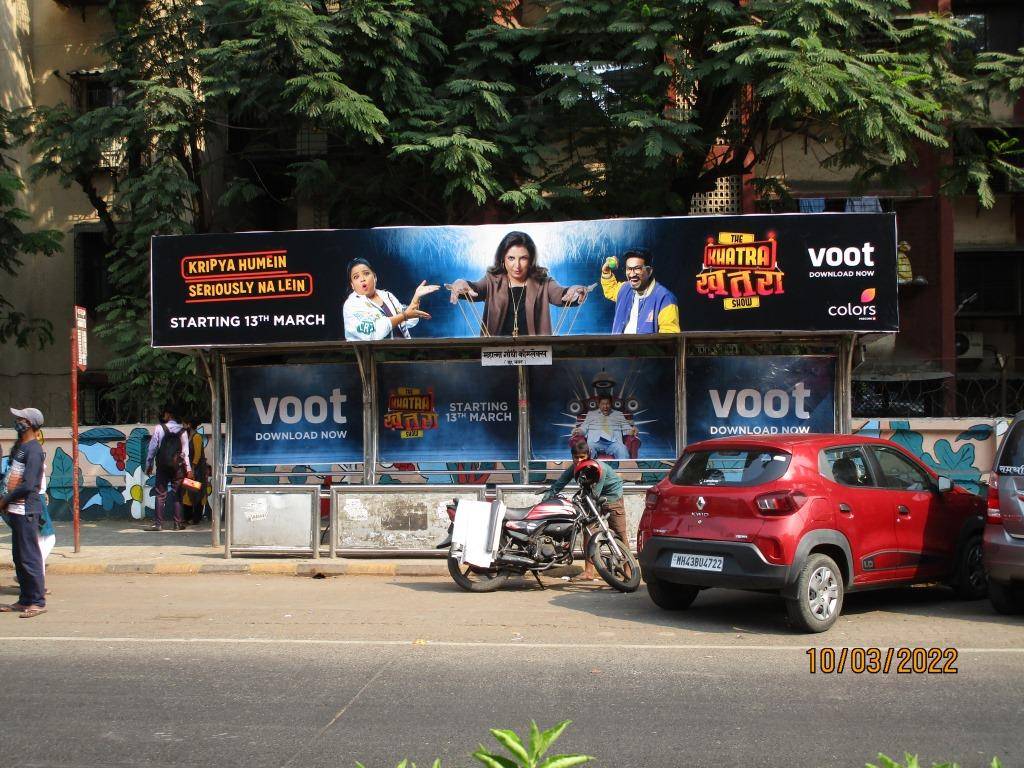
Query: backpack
[[169, 453]]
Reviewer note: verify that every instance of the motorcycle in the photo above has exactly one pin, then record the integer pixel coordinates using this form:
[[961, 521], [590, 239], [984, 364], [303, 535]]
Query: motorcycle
[[538, 538]]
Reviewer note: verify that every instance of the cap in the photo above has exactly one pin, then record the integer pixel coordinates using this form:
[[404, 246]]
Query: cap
[[32, 415]]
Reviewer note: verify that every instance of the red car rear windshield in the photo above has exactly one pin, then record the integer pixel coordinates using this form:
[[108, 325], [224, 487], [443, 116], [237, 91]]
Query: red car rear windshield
[[730, 467]]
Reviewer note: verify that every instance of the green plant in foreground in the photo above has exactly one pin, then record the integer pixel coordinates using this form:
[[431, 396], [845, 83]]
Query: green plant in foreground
[[531, 755], [910, 761]]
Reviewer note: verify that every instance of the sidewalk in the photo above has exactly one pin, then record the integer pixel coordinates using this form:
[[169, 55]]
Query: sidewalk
[[123, 547]]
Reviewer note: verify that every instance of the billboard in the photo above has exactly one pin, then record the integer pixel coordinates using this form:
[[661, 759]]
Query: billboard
[[759, 395], [625, 408], [447, 411], [296, 414], [705, 274]]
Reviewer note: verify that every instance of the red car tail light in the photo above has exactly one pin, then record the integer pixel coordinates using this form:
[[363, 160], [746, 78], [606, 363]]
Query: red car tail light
[[641, 539], [780, 502], [651, 499], [993, 516]]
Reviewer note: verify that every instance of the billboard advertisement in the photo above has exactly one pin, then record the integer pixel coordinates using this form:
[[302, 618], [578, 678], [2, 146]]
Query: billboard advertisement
[[447, 411], [705, 274], [624, 408], [296, 414], [762, 395]]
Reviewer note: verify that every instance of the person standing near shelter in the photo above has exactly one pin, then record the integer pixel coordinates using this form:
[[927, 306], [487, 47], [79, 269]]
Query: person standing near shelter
[[193, 500], [168, 455], [23, 507]]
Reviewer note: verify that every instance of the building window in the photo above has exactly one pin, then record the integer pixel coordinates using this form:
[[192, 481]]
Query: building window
[[988, 283], [91, 90], [92, 281]]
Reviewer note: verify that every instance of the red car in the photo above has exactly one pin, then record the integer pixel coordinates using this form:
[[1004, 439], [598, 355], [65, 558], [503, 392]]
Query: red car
[[810, 517]]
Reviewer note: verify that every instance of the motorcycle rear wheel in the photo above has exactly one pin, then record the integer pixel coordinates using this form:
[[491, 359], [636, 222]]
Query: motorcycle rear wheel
[[622, 573], [473, 579]]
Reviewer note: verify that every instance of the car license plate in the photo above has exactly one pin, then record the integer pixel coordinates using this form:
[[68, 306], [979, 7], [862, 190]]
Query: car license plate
[[697, 562]]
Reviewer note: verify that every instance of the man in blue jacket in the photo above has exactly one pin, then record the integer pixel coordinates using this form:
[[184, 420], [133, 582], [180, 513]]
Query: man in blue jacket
[[23, 506], [642, 305]]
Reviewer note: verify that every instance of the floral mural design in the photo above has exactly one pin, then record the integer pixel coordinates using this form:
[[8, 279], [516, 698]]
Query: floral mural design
[[112, 481], [961, 449]]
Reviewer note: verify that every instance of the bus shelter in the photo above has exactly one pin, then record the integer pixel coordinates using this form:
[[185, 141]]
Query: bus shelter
[[349, 428]]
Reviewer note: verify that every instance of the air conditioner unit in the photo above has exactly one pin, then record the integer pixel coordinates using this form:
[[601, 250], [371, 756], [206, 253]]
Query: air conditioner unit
[[969, 345]]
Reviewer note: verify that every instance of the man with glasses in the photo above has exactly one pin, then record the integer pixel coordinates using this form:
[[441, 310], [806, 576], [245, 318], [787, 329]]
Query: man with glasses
[[642, 305]]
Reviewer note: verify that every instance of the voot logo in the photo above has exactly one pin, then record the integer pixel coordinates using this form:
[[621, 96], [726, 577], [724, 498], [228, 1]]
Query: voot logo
[[866, 310], [839, 257]]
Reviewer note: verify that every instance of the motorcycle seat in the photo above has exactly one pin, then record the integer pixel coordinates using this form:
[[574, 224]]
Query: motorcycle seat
[[517, 513]]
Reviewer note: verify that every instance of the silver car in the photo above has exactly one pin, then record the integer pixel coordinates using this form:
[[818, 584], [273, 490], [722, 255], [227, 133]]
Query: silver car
[[1003, 548]]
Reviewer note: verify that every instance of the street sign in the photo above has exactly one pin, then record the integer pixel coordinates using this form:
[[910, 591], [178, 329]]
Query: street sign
[[490, 356], [81, 336]]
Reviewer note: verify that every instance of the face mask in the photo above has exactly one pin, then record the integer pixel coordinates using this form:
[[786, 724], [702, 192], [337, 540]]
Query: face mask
[[21, 427]]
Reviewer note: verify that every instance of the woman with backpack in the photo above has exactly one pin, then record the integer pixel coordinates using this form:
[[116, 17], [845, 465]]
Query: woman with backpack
[[168, 455], [193, 500]]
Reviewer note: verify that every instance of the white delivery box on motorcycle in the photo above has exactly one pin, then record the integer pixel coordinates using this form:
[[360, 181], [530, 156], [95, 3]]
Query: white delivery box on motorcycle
[[477, 531]]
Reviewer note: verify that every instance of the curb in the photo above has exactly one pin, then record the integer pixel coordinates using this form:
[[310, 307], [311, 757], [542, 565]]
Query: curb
[[265, 568]]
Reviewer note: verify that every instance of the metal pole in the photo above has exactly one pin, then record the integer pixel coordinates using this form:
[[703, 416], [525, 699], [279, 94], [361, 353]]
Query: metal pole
[[225, 457], [680, 395], [215, 446], [524, 425], [370, 419], [844, 384], [74, 440]]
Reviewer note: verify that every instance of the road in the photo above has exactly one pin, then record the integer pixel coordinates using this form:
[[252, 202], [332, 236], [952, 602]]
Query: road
[[222, 670]]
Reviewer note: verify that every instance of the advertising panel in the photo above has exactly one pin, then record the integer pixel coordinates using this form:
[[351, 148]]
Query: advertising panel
[[623, 408], [762, 395], [296, 414], [708, 274], [447, 411]]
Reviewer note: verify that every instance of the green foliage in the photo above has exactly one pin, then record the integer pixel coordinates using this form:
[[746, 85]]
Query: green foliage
[[17, 244], [236, 114], [911, 761], [529, 754]]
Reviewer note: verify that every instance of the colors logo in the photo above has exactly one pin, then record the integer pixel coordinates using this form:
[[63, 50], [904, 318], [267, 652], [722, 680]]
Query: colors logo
[[866, 310], [740, 269], [411, 411]]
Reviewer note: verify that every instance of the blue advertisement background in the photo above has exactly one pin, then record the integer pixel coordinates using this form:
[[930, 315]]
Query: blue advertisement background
[[302, 382], [828, 282], [762, 374], [556, 394], [461, 434]]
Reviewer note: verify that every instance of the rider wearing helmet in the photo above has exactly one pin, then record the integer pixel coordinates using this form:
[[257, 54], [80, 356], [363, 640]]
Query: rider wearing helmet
[[604, 483]]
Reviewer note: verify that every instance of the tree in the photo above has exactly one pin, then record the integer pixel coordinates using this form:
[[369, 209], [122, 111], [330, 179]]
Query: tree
[[233, 114], [16, 245]]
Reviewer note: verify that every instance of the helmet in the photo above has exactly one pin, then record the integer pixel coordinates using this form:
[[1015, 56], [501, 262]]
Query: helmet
[[587, 472]]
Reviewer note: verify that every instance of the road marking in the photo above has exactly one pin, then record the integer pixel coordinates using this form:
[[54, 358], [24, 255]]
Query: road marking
[[419, 642]]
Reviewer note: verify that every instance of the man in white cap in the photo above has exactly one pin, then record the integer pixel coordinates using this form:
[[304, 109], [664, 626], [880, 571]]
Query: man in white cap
[[24, 507]]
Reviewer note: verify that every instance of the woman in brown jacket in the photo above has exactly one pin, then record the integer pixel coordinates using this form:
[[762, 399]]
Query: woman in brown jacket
[[517, 294]]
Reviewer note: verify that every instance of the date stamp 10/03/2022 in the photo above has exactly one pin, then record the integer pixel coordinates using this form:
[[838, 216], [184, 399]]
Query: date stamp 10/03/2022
[[878, 660]]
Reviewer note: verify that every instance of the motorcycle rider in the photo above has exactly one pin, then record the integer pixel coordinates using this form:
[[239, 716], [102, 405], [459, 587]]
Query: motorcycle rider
[[608, 486]]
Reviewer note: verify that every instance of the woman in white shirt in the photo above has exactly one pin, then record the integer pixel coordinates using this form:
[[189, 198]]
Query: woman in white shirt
[[372, 314]]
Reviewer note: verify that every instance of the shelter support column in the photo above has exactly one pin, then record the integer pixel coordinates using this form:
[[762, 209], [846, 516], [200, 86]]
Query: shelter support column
[[844, 384]]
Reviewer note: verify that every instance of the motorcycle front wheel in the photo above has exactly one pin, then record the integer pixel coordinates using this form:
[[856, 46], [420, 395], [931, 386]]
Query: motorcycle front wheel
[[622, 573], [473, 579]]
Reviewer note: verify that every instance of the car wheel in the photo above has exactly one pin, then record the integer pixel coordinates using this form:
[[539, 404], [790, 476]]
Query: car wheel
[[1006, 598], [671, 597], [971, 581], [819, 595]]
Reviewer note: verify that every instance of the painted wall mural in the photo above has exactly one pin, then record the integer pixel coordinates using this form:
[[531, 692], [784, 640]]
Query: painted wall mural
[[113, 483], [961, 449]]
